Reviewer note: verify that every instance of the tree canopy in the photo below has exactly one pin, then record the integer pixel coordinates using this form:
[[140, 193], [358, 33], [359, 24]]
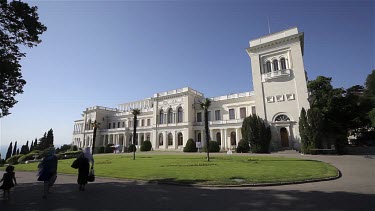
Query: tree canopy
[[19, 26]]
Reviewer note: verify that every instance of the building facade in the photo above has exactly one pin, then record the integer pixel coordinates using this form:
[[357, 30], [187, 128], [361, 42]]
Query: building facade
[[169, 119]]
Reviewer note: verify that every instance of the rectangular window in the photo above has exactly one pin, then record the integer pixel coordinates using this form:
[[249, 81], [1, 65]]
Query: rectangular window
[[123, 124], [242, 113], [114, 125], [148, 122], [209, 115], [143, 122], [109, 125], [118, 124], [217, 115], [231, 113], [253, 111], [199, 117], [137, 123]]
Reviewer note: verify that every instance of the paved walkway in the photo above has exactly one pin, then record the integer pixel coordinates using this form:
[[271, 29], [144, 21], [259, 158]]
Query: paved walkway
[[355, 190]]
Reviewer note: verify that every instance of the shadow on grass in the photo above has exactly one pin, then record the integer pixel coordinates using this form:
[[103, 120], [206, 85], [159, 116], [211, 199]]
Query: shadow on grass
[[144, 196]]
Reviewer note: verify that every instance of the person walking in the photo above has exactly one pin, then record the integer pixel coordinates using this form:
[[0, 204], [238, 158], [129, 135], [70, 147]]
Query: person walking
[[48, 171], [7, 180], [83, 165]]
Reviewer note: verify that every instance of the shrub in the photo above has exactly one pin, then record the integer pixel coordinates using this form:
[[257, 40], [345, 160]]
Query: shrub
[[243, 146], [132, 148], [30, 156], [108, 148], [190, 146], [74, 148], [99, 150], [146, 146], [214, 147], [257, 133], [14, 159]]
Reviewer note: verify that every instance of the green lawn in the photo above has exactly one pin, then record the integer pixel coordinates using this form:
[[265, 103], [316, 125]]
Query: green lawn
[[194, 169]]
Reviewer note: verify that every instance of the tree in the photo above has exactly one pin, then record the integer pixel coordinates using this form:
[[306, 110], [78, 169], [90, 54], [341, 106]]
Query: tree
[[14, 149], [35, 146], [18, 152], [49, 138], [370, 84], [205, 105], [19, 26], [95, 126], [255, 132], [304, 130], [135, 113], [9, 152], [43, 142]]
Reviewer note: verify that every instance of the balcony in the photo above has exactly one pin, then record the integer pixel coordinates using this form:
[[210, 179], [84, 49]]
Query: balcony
[[275, 74]]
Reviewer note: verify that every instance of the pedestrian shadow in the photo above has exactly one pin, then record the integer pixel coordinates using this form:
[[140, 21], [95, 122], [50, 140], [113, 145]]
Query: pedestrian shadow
[[123, 195]]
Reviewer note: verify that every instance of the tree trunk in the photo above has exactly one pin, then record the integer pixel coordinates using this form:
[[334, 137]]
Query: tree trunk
[[134, 134], [207, 133]]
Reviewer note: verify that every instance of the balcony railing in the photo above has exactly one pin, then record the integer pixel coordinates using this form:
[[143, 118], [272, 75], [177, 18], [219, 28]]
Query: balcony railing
[[275, 74]]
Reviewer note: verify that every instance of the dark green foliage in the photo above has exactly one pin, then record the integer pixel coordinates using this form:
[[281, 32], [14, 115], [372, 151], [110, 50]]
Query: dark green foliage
[[64, 148], [146, 146], [35, 145], [304, 131], [43, 142], [20, 27], [13, 160], [243, 146], [9, 152], [190, 146], [255, 131], [14, 149], [370, 84], [213, 146], [30, 156], [18, 152], [205, 105], [132, 148], [372, 117], [74, 148], [49, 138], [108, 148], [99, 150]]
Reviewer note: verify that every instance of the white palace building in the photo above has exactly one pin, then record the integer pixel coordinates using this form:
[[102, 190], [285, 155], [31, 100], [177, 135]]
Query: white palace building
[[168, 119]]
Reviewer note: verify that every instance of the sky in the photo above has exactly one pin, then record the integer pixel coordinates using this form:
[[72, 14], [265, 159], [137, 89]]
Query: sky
[[111, 52]]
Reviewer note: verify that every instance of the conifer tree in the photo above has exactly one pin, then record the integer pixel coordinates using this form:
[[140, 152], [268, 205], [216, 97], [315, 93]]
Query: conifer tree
[[49, 138], [43, 142], [14, 149], [9, 152], [27, 147], [18, 152], [35, 146]]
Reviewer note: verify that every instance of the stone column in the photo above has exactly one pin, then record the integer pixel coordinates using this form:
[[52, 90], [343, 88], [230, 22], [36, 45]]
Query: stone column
[[165, 139], [139, 139], [237, 136], [222, 139]]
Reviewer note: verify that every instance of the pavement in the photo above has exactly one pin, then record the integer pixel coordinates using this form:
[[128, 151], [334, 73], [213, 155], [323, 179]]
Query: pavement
[[355, 190]]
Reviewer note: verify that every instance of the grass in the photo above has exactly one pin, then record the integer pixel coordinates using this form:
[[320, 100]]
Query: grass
[[194, 169]]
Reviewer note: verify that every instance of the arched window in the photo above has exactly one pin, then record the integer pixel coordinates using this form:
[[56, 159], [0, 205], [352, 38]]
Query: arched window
[[268, 67], [180, 139], [161, 116], [233, 141], [179, 114], [218, 138], [148, 137], [170, 115], [282, 118], [161, 143], [283, 63], [170, 139], [275, 65]]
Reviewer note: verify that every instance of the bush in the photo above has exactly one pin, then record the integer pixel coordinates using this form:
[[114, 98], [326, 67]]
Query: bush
[[132, 148], [74, 148], [146, 146], [63, 148], [14, 159], [108, 148], [243, 146], [67, 155], [99, 150], [190, 146], [30, 156], [214, 147]]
